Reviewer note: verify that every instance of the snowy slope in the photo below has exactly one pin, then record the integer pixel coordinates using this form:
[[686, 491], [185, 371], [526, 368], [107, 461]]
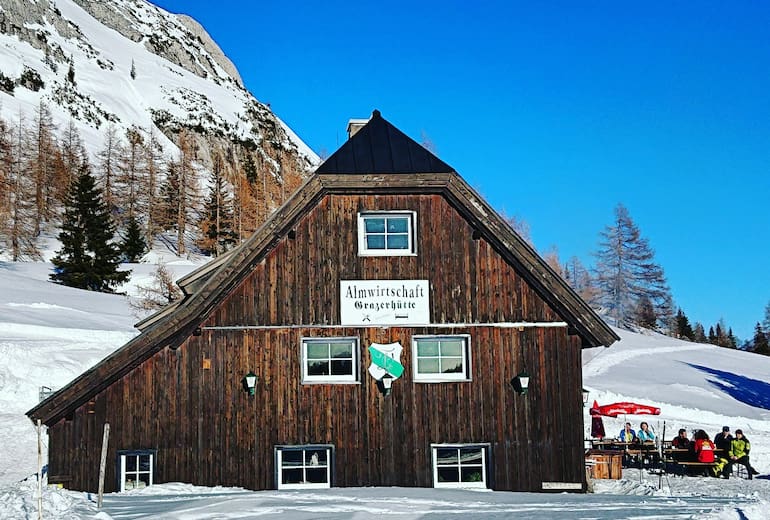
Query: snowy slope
[[50, 334], [181, 77]]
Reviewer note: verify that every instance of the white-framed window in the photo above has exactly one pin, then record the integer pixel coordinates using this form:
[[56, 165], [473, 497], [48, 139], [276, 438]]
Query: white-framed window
[[330, 360], [135, 469], [387, 233], [460, 465], [302, 467], [441, 358]]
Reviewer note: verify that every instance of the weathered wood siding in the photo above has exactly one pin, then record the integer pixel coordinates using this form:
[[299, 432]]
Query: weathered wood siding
[[208, 431]]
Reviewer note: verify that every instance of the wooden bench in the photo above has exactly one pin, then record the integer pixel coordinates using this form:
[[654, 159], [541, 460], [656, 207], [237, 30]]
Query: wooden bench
[[684, 464]]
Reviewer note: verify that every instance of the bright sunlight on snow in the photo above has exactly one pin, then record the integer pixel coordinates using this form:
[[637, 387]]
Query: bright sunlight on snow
[[49, 334]]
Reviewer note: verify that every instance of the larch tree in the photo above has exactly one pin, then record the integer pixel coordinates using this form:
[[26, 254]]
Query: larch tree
[[43, 165], [72, 156], [20, 226], [644, 314], [179, 192], [699, 333], [216, 226], [88, 258], [131, 175], [626, 271], [107, 172], [579, 278], [152, 160]]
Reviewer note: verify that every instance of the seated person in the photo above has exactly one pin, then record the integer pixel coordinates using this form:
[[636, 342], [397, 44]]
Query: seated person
[[723, 439], [681, 442], [739, 454], [627, 434], [645, 434]]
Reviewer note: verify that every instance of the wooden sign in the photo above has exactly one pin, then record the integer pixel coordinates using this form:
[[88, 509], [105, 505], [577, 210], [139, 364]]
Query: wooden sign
[[384, 302]]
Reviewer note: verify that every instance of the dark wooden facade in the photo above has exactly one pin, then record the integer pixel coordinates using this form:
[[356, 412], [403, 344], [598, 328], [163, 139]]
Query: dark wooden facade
[[180, 393]]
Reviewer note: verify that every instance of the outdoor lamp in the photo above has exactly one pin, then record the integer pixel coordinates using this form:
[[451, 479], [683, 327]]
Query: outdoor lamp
[[250, 382], [520, 383], [384, 385], [585, 396]]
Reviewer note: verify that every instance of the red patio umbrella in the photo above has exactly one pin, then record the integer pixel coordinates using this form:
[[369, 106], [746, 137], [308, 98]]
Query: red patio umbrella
[[597, 424], [624, 408]]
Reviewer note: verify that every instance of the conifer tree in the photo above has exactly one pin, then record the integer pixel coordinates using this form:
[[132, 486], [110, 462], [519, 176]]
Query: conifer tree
[[579, 278], [699, 334], [644, 314], [766, 320], [683, 329], [712, 336], [133, 245], [761, 344], [626, 271], [88, 259], [217, 223]]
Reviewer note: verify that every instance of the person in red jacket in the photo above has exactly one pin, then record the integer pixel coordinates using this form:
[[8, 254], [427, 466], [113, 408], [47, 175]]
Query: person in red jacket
[[704, 452], [704, 448]]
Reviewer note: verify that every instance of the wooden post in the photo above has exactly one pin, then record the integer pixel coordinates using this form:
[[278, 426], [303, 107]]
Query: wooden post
[[39, 471], [102, 463]]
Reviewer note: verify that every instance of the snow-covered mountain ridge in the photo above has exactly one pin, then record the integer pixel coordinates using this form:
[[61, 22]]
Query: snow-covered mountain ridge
[[129, 63]]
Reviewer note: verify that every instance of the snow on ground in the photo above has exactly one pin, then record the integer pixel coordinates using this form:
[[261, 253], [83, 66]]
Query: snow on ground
[[49, 334]]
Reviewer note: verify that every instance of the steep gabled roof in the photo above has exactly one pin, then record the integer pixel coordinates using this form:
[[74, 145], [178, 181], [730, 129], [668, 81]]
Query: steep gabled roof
[[380, 147], [208, 286]]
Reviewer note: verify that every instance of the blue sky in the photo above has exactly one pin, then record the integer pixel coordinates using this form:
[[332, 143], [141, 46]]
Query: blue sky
[[555, 112]]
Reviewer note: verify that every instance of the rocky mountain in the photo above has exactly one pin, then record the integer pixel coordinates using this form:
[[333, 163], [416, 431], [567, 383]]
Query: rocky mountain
[[123, 64]]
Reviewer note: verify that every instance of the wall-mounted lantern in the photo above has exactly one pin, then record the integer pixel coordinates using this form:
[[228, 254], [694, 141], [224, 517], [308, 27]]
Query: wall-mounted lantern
[[249, 382], [384, 385], [520, 383], [585, 396]]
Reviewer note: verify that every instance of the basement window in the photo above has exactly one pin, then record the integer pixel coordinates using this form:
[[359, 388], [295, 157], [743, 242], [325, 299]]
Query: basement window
[[304, 467], [330, 360], [387, 233], [135, 469], [441, 358], [460, 465]]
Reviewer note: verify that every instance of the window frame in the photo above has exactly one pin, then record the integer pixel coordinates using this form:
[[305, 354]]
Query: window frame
[[353, 378], [278, 457], [411, 250], [121, 473], [464, 375], [485, 466]]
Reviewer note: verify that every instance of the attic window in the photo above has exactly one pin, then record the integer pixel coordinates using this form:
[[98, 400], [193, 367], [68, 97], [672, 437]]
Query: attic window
[[387, 233]]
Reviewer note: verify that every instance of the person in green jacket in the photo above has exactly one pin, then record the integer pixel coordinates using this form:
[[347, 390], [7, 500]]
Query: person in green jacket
[[739, 454]]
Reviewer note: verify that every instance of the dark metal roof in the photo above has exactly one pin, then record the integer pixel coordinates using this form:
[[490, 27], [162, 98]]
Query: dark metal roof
[[380, 147]]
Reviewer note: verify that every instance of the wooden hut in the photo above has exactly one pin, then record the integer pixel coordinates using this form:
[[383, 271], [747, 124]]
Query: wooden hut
[[388, 318]]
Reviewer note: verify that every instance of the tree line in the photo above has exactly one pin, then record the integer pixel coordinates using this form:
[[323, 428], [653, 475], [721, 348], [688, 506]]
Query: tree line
[[629, 287], [143, 186]]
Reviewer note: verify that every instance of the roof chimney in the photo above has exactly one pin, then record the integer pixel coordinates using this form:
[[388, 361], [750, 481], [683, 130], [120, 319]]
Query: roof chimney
[[354, 125]]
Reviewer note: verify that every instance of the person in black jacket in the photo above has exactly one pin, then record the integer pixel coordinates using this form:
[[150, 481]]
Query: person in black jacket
[[723, 439]]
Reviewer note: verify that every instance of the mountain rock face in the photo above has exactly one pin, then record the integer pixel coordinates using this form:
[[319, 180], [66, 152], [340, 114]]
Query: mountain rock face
[[123, 64]]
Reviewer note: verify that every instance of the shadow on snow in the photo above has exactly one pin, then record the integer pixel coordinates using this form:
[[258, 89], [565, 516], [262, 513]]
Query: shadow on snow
[[746, 390]]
